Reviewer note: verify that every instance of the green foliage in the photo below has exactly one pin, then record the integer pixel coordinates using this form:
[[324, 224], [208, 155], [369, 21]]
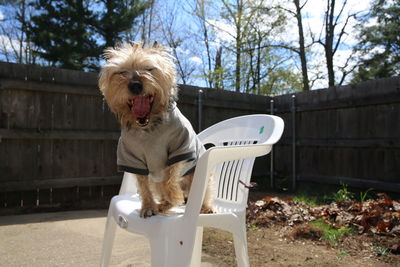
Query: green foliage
[[72, 34], [342, 253], [365, 195], [281, 81], [331, 234], [117, 18], [343, 194], [61, 31], [307, 199], [380, 42], [257, 66], [381, 251], [252, 227]]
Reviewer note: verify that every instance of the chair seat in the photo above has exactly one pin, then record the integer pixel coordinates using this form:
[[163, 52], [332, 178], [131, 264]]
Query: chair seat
[[127, 215]]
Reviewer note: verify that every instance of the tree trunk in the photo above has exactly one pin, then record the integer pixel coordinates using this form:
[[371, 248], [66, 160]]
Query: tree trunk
[[329, 33], [302, 51]]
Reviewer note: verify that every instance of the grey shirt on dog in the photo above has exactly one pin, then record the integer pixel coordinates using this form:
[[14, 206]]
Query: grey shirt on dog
[[150, 152]]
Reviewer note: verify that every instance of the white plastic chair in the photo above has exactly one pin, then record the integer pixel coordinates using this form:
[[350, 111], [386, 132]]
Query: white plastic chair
[[176, 238]]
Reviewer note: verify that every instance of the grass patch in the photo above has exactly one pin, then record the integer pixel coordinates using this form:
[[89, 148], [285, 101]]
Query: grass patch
[[343, 194], [329, 233], [307, 199], [341, 253], [252, 227], [381, 251]]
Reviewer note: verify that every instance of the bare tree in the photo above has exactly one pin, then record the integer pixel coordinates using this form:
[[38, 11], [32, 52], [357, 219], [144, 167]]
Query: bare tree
[[15, 44], [201, 14], [302, 47], [235, 13], [218, 74], [300, 50], [175, 37], [147, 23], [333, 39]]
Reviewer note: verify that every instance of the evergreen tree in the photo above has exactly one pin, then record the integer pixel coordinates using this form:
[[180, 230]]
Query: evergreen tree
[[63, 34], [72, 34], [117, 18], [380, 42]]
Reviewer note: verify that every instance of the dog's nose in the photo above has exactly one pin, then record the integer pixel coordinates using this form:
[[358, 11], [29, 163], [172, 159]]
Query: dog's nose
[[135, 87]]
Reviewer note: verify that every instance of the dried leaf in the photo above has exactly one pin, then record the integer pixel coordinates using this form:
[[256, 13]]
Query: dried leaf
[[266, 198]]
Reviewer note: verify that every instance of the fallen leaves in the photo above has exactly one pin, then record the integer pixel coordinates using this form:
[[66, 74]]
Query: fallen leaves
[[275, 210], [381, 216]]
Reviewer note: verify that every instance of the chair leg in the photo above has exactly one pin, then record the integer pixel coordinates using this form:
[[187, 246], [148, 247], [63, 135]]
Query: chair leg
[[241, 252], [166, 251], [158, 252], [240, 242], [196, 255], [108, 240]]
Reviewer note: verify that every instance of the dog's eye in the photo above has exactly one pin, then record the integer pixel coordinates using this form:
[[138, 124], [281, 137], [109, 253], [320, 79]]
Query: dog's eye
[[123, 73], [150, 69]]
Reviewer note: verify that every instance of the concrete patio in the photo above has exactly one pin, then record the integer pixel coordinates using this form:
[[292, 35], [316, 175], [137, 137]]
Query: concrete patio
[[70, 238]]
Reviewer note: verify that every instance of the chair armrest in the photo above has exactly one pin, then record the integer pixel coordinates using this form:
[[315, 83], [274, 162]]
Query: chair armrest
[[276, 134], [128, 184], [228, 153]]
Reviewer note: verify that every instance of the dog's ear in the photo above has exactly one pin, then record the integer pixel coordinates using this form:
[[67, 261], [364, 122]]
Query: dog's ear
[[109, 53], [156, 44]]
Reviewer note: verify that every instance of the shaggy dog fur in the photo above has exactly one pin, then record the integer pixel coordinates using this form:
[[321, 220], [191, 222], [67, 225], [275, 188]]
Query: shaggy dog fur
[[139, 86]]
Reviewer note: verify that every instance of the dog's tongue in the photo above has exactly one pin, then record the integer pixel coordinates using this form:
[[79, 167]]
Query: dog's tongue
[[141, 106]]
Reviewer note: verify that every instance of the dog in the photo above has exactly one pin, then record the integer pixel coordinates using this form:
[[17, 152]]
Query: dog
[[157, 143]]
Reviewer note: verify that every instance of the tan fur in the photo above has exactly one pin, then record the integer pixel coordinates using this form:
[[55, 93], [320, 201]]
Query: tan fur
[[136, 61], [155, 68]]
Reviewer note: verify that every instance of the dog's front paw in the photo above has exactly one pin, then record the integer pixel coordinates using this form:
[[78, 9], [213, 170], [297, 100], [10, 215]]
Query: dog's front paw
[[208, 209], [164, 206], [146, 212]]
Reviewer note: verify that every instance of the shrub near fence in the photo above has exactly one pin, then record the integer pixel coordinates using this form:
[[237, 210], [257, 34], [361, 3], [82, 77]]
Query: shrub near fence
[[58, 138]]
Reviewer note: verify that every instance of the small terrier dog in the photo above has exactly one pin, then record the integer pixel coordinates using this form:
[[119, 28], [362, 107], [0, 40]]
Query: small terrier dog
[[157, 142]]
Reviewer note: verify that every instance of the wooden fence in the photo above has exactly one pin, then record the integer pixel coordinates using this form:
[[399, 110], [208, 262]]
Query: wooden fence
[[348, 135], [58, 139]]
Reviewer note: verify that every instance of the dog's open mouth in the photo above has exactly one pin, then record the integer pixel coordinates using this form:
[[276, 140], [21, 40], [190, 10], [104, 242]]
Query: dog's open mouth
[[140, 107]]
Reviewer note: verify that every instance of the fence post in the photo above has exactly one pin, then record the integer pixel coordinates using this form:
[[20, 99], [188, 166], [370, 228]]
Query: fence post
[[293, 142], [272, 184], [199, 110]]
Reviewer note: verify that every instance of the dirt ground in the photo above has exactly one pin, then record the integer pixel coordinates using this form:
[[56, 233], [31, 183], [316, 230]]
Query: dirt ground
[[271, 247], [276, 244]]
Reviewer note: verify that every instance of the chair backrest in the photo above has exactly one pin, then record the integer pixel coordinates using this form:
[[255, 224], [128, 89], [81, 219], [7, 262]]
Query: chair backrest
[[231, 178]]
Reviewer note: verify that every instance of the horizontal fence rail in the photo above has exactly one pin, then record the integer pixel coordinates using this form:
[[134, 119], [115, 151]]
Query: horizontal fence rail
[[58, 138]]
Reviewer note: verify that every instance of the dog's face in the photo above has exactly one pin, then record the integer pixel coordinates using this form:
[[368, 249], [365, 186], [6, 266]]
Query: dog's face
[[138, 83]]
